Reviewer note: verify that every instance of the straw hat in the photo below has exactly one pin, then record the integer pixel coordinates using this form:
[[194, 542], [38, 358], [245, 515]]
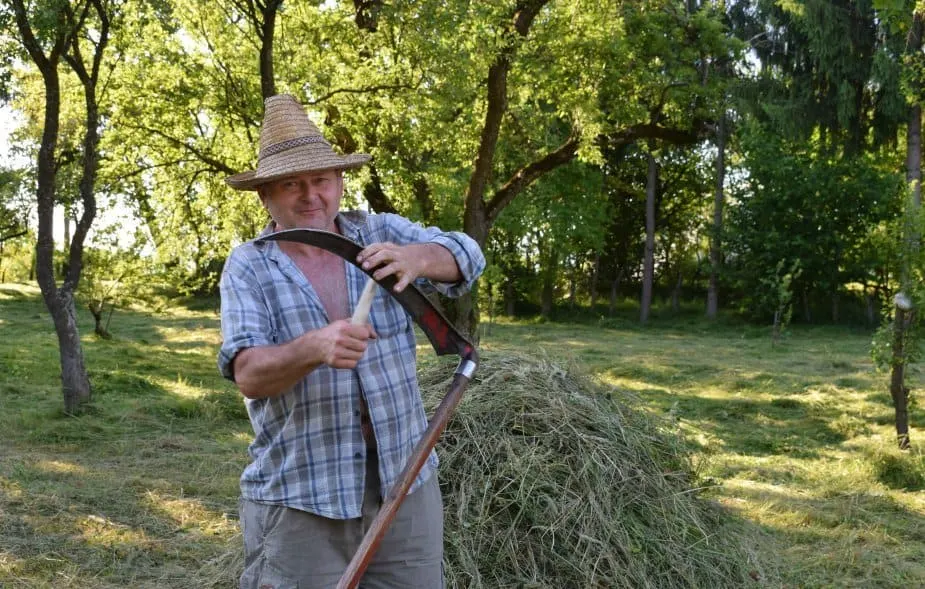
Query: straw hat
[[291, 144]]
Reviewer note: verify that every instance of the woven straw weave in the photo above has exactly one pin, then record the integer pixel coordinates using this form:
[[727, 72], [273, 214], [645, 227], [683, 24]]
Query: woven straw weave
[[291, 144]]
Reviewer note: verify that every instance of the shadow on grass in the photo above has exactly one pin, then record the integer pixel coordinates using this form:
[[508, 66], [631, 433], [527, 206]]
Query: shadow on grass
[[751, 427], [25, 311], [140, 489], [820, 530], [97, 530]]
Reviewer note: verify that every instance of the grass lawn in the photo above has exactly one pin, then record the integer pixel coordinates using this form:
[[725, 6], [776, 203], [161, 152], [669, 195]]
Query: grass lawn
[[141, 491]]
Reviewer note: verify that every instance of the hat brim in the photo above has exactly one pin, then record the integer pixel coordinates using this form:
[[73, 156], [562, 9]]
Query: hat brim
[[252, 179]]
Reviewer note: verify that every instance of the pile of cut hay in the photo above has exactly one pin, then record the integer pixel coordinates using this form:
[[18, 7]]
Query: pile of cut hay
[[552, 481]]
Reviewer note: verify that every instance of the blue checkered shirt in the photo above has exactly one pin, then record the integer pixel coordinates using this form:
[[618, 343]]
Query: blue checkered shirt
[[308, 451]]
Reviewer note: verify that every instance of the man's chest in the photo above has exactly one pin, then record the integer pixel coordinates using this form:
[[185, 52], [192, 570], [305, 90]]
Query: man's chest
[[328, 279]]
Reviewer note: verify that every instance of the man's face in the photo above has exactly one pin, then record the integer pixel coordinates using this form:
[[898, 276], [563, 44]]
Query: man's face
[[304, 201]]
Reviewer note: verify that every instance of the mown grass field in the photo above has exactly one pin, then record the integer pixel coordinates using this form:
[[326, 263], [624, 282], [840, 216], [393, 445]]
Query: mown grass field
[[141, 491]]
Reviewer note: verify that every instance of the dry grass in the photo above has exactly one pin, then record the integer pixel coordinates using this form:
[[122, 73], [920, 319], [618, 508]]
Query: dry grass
[[552, 481]]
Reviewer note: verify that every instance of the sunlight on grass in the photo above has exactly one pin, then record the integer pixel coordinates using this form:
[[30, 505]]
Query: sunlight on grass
[[57, 466], [190, 514], [627, 383], [11, 490], [181, 387], [104, 532]]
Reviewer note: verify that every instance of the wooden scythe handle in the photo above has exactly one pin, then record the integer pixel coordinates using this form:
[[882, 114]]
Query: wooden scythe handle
[[399, 490]]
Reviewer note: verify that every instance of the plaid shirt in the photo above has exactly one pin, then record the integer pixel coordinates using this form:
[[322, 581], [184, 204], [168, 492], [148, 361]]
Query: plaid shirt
[[308, 451]]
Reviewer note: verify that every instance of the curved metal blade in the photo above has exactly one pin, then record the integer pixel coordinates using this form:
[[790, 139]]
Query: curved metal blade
[[442, 334]]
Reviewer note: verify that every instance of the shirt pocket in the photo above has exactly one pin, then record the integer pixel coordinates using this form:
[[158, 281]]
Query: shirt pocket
[[388, 316]]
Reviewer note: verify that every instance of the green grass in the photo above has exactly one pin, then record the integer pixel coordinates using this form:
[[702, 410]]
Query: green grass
[[141, 490], [798, 437]]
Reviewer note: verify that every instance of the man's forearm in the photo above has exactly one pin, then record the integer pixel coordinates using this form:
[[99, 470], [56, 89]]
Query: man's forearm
[[438, 263], [267, 371]]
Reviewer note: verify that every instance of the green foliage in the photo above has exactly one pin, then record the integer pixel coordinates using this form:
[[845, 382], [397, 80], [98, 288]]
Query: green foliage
[[14, 205], [798, 204], [114, 279], [829, 67], [908, 258], [778, 294]]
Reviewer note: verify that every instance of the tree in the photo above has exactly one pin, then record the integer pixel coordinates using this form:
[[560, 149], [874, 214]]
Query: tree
[[905, 320], [50, 33], [648, 273], [798, 204]]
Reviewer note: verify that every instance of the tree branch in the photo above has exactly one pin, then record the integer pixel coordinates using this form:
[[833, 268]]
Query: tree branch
[[635, 133], [12, 236], [375, 195], [215, 164], [524, 14], [365, 90], [528, 174]]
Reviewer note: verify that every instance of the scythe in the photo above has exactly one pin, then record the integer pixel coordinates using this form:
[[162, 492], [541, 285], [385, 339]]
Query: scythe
[[445, 339]]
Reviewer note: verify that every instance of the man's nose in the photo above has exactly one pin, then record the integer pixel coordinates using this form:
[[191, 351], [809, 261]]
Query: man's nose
[[307, 191]]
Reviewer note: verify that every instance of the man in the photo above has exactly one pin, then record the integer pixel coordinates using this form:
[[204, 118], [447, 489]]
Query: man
[[335, 407]]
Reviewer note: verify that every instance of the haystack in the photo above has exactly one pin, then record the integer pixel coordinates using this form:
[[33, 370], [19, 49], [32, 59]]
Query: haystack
[[552, 481]]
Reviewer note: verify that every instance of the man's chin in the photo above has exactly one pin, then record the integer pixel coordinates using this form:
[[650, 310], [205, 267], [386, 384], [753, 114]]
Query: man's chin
[[317, 224]]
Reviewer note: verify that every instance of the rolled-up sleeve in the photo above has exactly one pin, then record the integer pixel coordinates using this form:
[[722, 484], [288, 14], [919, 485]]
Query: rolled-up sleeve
[[246, 321], [465, 251]]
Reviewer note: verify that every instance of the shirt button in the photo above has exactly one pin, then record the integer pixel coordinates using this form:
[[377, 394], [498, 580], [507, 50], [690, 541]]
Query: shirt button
[[356, 413], [358, 455]]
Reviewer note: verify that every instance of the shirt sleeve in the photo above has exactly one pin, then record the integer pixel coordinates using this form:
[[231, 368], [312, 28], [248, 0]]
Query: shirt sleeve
[[464, 249], [246, 321]]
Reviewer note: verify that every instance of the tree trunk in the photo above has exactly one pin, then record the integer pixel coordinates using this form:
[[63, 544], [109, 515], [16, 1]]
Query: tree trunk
[[902, 317], [898, 389], [509, 295], [66, 246], [480, 213], [615, 291], [595, 273], [74, 379], [649, 261], [547, 299], [60, 301], [266, 31], [716, 255], [676, 292], [96, 309]]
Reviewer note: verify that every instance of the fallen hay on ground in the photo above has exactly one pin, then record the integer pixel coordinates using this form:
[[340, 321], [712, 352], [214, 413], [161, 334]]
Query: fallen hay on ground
[[551, 481]]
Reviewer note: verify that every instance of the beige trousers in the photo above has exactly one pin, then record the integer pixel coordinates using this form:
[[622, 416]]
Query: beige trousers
[[287, 548]]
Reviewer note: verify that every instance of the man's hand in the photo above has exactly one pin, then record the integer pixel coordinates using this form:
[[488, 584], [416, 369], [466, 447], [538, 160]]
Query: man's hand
[[405, 262], [343, 343], [410, 262], [266, 371]]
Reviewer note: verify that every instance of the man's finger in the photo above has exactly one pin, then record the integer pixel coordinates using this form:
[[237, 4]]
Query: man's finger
[[392, 268], [372, 250], [402, 283], [379, 258]]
